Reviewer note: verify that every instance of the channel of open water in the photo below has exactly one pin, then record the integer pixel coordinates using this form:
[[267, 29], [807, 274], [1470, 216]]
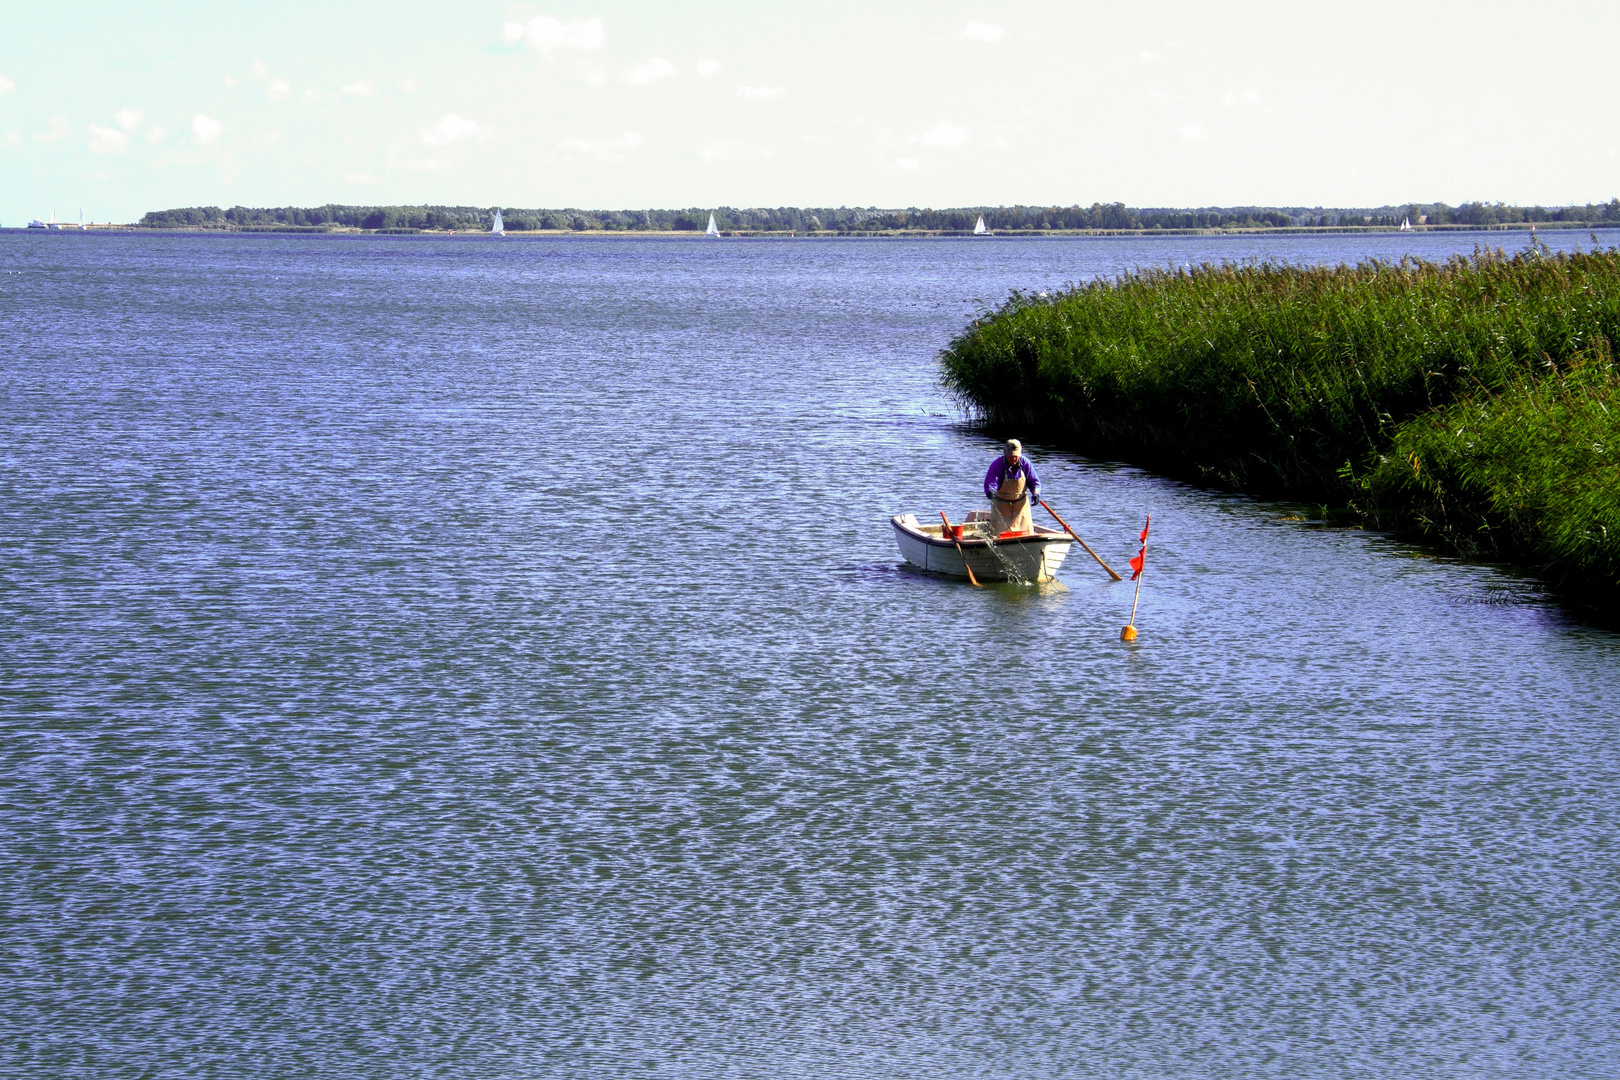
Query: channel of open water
[[464, 658]]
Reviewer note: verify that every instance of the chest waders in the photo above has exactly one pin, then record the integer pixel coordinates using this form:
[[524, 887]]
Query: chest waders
[[1009, 508]]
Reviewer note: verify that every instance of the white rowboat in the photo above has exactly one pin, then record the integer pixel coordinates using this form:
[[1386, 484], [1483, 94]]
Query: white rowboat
[[1033, 556]]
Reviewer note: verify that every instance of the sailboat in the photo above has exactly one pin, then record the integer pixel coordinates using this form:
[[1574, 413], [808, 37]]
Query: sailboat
[[1406, 226], [711, 230], [499, 227], [978, 230]]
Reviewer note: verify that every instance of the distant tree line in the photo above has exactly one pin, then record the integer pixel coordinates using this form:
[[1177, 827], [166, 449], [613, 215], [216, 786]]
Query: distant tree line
[[856, 220]]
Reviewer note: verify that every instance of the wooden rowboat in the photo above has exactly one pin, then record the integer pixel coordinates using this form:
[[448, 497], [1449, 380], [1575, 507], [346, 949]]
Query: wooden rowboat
[[1033, 556]]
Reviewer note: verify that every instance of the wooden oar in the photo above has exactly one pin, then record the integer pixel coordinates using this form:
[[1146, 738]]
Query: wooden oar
[[1081, 542], [959, 550]]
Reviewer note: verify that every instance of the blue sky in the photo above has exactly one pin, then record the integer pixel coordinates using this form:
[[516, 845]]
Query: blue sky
[[119, 109]]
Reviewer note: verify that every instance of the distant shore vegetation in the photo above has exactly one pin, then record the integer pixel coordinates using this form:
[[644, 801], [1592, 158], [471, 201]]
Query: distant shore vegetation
[[1472, 403], [1098, 217]]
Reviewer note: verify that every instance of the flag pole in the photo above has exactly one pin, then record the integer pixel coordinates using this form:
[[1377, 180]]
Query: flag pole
[[1129, 633], [1138, 564]]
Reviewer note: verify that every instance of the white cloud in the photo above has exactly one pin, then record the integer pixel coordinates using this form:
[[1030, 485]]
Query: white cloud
[[979, 31], [60, 128], [651, 71], [128, 119], [156, 133], [1193, 132], [205, 130], [942, 134], [732, 151], [230, 80], [452, 128], [706, 69], [105, 140], [760, 93], [358, 89], [311, 95], [547, 34], [1240, 97], [278, 88], [6, 85], [607, 150], [908, 164], [260, 69], [359, 178]]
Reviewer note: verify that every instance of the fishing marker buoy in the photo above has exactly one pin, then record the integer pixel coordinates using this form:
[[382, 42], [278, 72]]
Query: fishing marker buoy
[[1128, 634]]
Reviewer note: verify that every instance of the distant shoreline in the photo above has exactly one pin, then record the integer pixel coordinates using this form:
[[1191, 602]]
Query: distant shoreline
[[788, 234]]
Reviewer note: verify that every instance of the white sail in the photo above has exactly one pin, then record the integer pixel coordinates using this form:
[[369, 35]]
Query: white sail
[[499, 228], [1406, 226], [711, 230], [978, 230]]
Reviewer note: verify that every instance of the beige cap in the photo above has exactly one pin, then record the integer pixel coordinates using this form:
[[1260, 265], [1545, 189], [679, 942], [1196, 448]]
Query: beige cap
[[1014, 444]]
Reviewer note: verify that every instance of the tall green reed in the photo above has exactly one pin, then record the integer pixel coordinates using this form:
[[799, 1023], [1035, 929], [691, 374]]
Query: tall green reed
[[1531, 472], [1279, 380]]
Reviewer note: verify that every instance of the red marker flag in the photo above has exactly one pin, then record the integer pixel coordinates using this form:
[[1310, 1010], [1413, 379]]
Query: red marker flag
[[1141, 556]]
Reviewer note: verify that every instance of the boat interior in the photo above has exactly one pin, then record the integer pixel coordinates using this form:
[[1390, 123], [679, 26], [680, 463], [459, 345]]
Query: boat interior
[[976, 526]]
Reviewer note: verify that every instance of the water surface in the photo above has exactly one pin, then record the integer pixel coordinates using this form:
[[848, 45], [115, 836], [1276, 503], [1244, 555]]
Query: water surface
[[491, 659]]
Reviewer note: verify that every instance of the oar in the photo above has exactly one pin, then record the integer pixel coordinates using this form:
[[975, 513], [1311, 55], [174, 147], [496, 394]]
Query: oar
[[1081, 542], [959, 550]]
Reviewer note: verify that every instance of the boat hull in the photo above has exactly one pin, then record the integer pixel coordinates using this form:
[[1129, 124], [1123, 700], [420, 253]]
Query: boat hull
[[1034, 557]]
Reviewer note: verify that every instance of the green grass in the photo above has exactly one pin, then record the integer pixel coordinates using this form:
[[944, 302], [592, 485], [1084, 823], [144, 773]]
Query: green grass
[[1321, 383]]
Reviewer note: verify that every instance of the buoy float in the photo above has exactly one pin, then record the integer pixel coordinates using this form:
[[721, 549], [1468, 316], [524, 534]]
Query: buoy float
[[1128, 634]]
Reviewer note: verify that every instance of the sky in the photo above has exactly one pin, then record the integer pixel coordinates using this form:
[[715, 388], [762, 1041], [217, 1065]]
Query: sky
[[116, 109]]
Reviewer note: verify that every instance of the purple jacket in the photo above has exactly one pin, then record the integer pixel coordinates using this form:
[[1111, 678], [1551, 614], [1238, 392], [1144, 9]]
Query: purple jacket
[[1000, 471]]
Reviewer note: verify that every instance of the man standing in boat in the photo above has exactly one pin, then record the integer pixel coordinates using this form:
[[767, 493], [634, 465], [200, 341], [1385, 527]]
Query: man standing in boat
[[1012, 488]]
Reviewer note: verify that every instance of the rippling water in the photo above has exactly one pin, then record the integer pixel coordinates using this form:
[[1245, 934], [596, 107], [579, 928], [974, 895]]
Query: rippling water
[[463, 658]]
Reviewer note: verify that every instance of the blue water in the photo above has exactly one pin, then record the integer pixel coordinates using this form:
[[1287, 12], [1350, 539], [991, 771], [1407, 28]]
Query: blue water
[[428, 658]]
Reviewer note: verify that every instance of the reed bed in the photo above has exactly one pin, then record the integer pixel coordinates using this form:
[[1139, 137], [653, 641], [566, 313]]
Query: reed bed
[[1338, 385], [1529, 473]]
